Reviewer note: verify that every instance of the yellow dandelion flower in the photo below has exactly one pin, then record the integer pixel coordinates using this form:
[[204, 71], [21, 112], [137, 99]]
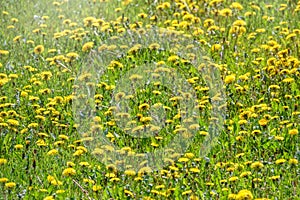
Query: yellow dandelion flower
[[3, 180], [293, 132], [274, 178], [189, 155], [63, 137], [39, 49], [70, 164], [280, 161], [291, 35], [143, 15], [183, 160], [145, 119], [233, 179], [4, 52], [128, 193], [280, 138], [239, 23], [194, 170], [144, 170], [10, 185], [257, 180], [236, 5], [46, 75], [154, 144], [216, 47], [229, 79], [3, 161], [52, 152], [288, 80], [13, 76], [154, 46], [96, 188], [48, 198], [14, 20], [194, 197], [232, 196], [50, 178], [41, 143], [87, 46], [19, 146], [13, 122], [186, 192], [114, 179], [110, 175], [226, 12], [257, 165], [87, 180], [293, 161], [60, 191], [244, 195], [244, 174], [55, 182], [17, 38], [263, 122], [69, 172], [144, 106], [204, 133], [173, 58], [130, 172], [256, 132], [135, 77]]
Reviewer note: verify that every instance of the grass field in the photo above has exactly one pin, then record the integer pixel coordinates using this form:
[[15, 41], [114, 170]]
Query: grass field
[[140, 99]]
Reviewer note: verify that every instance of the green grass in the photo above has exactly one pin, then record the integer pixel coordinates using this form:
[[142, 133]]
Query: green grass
[[254, 69]]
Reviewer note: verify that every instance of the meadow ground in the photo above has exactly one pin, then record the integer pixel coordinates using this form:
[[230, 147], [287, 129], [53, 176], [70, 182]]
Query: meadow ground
[[132, 99]]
